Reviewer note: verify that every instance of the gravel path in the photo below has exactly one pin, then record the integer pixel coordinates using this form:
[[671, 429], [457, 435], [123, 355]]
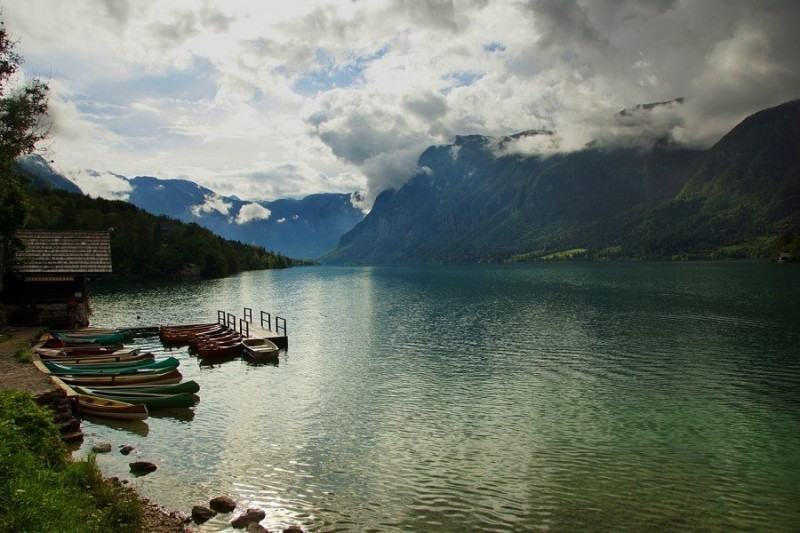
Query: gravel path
[[20, 376]]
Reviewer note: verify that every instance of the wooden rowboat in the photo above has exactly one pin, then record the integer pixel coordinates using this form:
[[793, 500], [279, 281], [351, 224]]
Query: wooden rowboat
[[220, 350], [220, 337], [80, 340], [107, 408], [260, 349], [93, 333], [190, 386], [130, 356], [188, 333], [113, 368], [150, 399], [187, 327], [162, 378]]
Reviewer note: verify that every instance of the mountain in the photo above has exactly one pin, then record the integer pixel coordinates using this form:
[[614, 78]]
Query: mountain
[[42, 175], [304, 228], [473, 201]]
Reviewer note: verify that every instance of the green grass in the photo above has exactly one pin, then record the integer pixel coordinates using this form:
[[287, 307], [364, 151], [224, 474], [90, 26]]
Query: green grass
[[23, 355], [41, 489]]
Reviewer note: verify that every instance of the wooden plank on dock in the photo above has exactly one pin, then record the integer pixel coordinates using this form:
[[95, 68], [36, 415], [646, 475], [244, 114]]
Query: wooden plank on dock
[[256, 332]]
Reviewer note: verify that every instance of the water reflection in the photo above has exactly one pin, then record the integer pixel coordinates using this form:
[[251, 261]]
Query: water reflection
[[562, 396], [135, 427]]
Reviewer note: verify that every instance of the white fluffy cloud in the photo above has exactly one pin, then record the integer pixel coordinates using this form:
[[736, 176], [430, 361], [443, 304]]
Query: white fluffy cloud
[[102, 184], [271, 99], [251, 212], [213, 202]]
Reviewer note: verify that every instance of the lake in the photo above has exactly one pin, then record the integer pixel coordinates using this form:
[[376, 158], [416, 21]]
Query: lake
[[559, 396]]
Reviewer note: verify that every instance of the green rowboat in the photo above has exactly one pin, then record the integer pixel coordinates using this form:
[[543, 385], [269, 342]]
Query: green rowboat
[[151, 400], [113, 368], [190, 386]]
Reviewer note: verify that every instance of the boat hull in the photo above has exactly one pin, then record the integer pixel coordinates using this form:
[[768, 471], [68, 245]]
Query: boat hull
[[163, 378], [260, 349], [151, 400], [113, 368], [190, 386], [107, 408]]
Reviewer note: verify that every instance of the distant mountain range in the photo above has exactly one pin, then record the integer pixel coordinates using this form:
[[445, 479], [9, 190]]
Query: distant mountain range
[[473, 202], [302, 229]]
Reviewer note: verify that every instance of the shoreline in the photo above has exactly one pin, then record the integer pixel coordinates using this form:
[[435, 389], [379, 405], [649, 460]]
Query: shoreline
[[24, 377]]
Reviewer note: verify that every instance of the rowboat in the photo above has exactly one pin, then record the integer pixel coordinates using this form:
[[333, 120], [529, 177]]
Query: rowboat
[[91, 380], [79, 340], [260, 349], [92, 333], [131, 356], [65, 353], [220, 350], [218, 338], [92, 405], [190, 386], [184, 334], [86, 349], [150, 399], [113, 368], [120, 362], [187, 327]]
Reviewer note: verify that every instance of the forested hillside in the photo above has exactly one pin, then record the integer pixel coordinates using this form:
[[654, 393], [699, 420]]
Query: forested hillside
[[472, 202], [144, 246]]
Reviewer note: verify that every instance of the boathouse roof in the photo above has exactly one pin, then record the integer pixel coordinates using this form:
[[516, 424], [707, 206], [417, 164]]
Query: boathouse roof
[[64, 252]]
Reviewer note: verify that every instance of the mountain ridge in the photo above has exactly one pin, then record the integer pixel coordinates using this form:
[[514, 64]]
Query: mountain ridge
[[301, 228], [472, 204]]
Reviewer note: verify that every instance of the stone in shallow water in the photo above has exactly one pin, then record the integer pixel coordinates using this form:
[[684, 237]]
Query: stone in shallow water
[[142, 467], [252, 516], [201, 513], [222, 504], [125, 450], [102, 447]]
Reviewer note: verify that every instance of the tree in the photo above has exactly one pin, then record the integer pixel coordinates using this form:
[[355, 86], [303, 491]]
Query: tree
[[23, 123]]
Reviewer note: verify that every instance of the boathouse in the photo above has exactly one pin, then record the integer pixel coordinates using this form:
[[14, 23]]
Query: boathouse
[[48, 283]]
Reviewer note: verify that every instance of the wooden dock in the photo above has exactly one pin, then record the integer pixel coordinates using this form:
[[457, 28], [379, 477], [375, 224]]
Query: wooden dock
[[266, 326]]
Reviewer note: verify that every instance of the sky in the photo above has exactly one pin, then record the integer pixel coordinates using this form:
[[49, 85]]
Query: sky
[[277, 99]]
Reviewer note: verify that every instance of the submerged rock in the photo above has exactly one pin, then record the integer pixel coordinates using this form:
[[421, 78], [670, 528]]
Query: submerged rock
[[256, 528], [222, 504], [201, 513], [102, 447], [142, 467], [252, 516], [125, 450]]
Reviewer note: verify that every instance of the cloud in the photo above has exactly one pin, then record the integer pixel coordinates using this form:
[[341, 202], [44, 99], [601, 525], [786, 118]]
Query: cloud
[[341, 96], [251, 212], [101, 184], [213, 203]]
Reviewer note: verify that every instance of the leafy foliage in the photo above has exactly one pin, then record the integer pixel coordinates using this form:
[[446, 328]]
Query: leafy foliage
[[23, 123], [144, 246]]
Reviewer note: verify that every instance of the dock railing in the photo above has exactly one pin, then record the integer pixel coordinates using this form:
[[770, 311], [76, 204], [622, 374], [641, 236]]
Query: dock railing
[[280, 326], [246, 326]]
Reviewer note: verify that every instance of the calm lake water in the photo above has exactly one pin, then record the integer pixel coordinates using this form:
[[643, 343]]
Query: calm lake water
[[562, 397]]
